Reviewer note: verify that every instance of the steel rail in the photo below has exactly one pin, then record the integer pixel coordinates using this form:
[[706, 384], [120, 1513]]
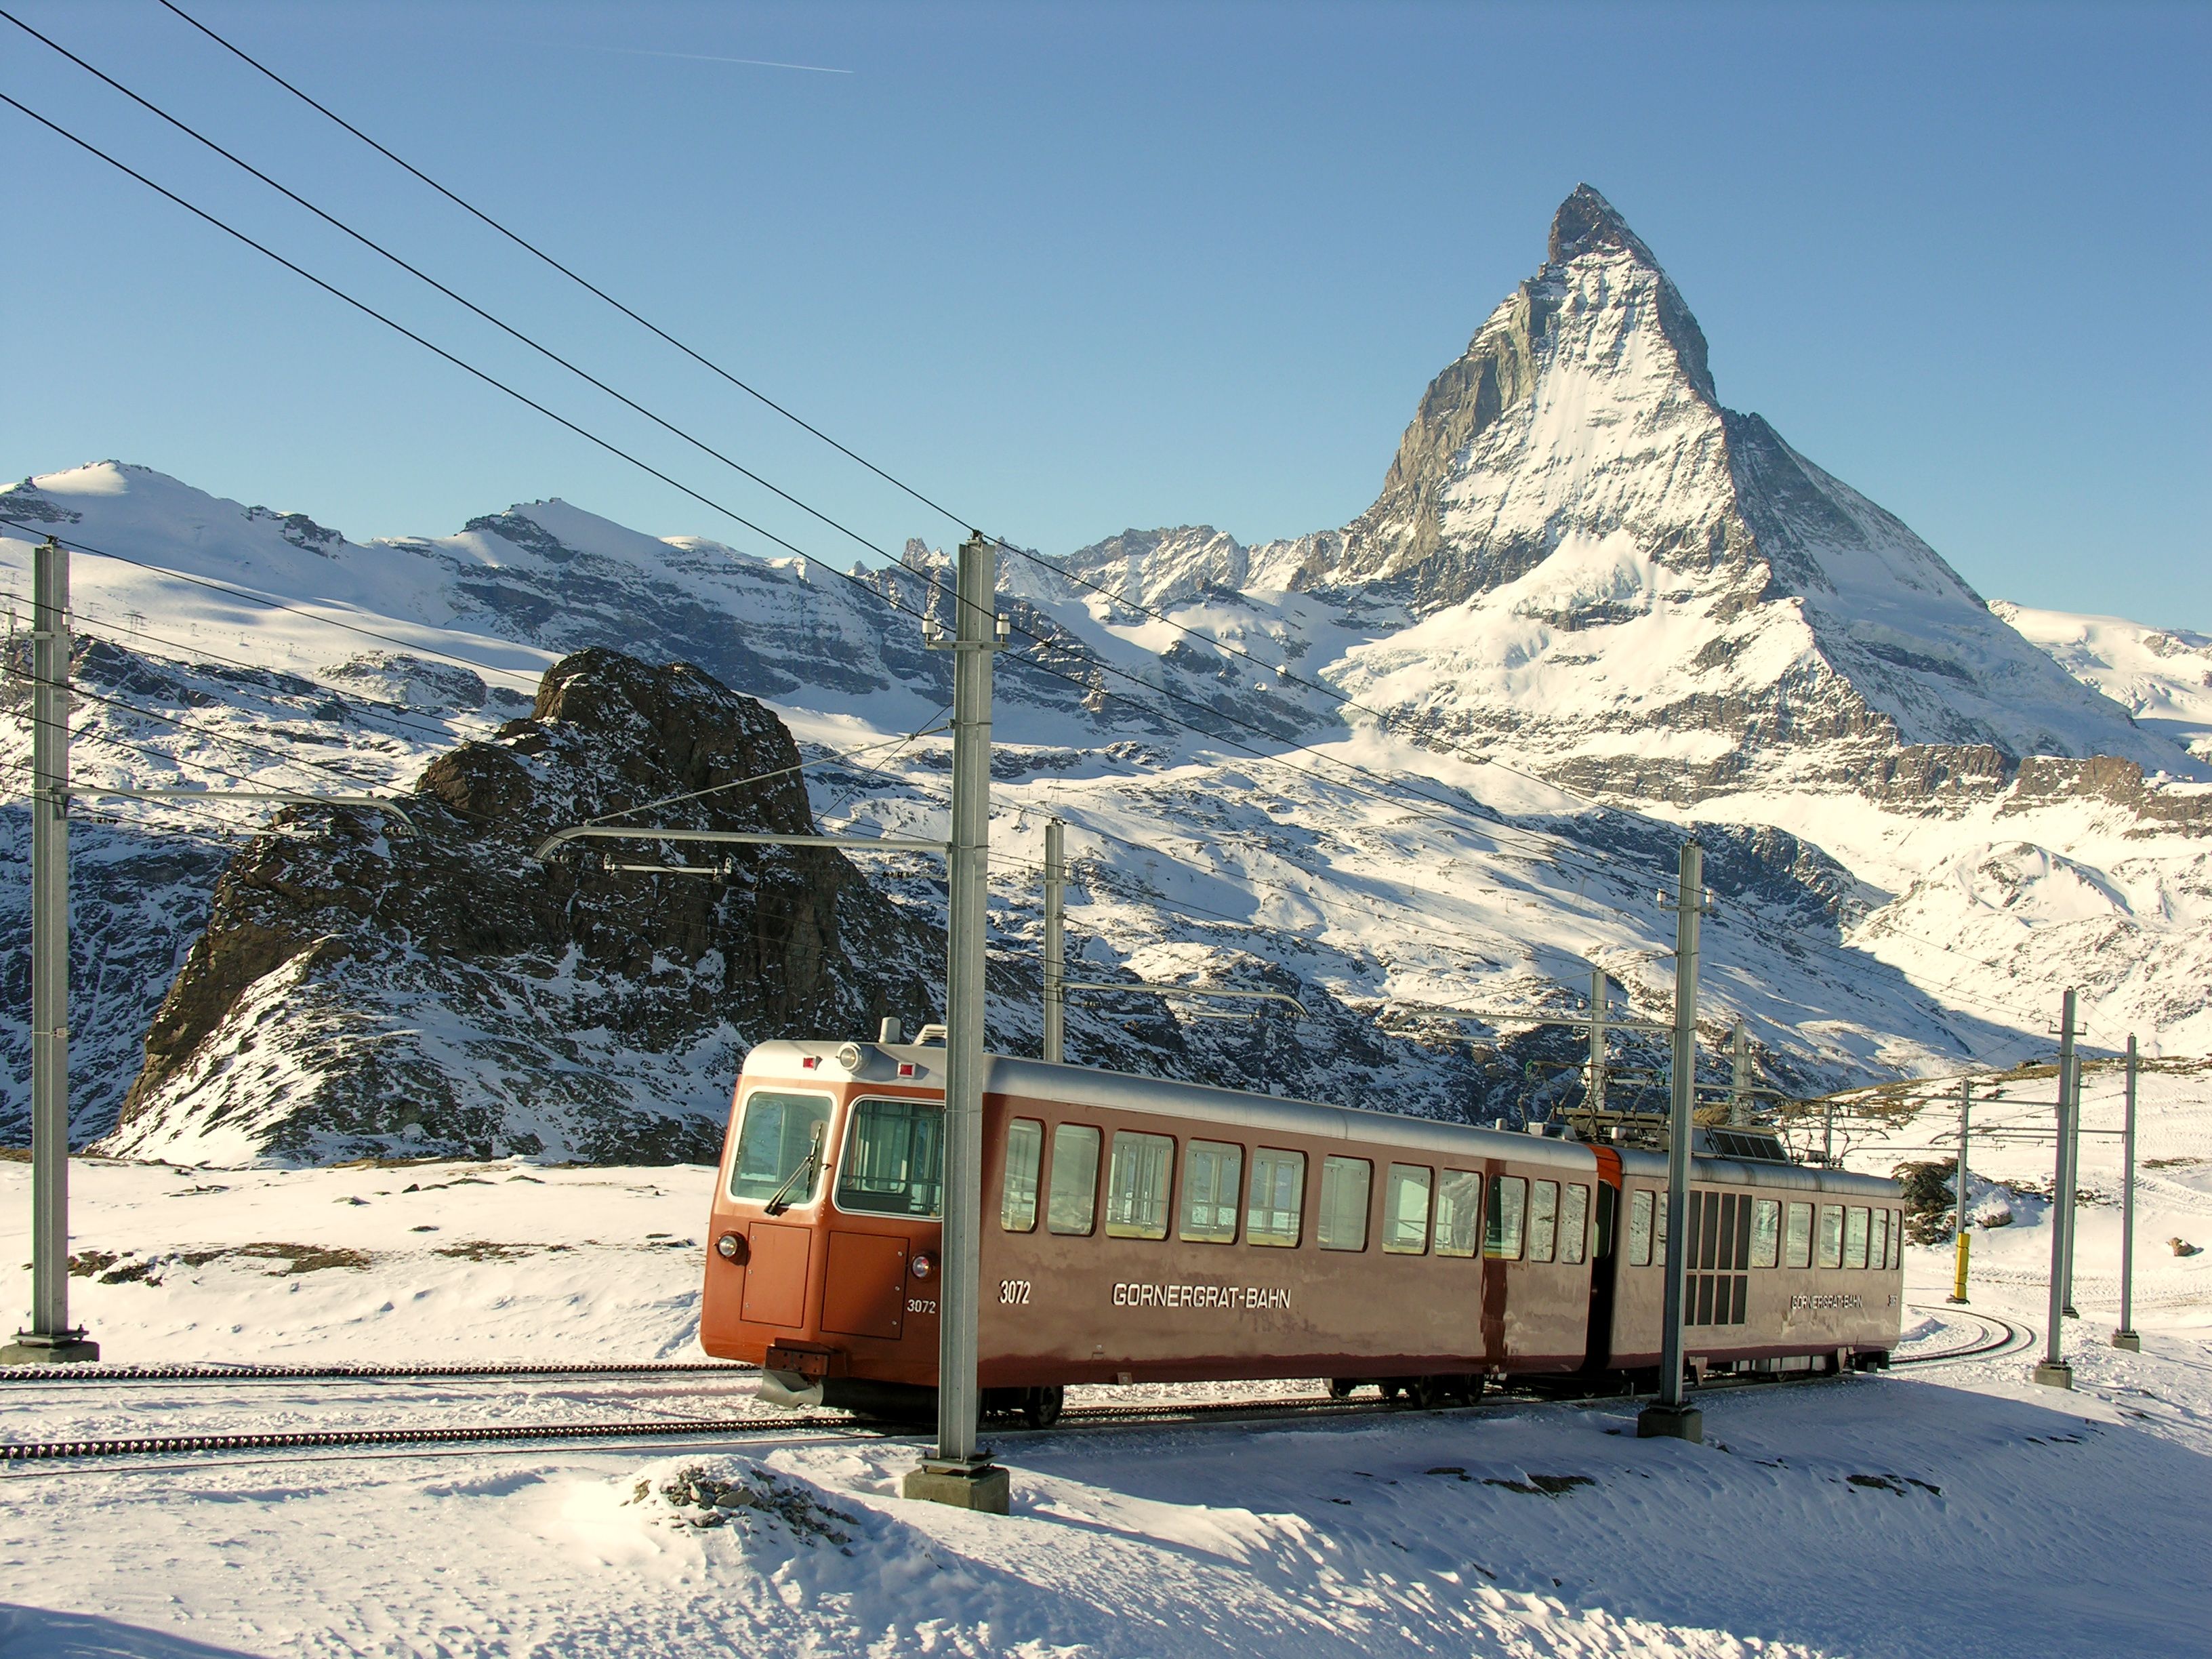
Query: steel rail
[[343, 1372], [2006, 1337]]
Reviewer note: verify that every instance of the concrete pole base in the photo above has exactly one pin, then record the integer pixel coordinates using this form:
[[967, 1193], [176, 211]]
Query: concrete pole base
[[1673, 1422], [2127, 1340], [2060, 1375], [70, 1348], [981, 1485]]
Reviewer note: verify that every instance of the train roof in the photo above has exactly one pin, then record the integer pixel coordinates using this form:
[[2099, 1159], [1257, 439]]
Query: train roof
[[1128, 1091], [1125, 1092]]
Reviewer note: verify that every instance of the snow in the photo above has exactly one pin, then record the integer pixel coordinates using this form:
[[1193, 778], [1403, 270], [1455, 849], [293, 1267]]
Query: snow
[[1953, 1510], [2161, 675]]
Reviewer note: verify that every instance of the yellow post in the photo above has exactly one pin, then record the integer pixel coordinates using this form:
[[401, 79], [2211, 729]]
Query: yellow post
[[1958, 1285]]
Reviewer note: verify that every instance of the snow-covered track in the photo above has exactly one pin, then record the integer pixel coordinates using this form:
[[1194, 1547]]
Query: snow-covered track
[[1998, 1337], [328, 1373], [479, 1434]]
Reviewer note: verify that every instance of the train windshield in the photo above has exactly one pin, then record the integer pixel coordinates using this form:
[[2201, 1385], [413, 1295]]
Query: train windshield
[[894, 1159], [774, 1146]]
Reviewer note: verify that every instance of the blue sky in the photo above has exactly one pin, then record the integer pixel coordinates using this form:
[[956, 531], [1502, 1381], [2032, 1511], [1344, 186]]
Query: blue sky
[[1076, 269]]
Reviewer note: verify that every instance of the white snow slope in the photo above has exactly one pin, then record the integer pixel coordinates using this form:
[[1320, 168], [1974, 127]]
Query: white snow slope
[[1952, 1511], [2161, 675]]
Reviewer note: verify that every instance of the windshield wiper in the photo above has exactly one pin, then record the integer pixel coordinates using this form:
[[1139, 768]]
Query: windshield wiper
[[808, 1168]]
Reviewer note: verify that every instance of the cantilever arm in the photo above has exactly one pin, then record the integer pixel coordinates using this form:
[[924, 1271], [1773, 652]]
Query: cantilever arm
[[561, 838], [377, 803]]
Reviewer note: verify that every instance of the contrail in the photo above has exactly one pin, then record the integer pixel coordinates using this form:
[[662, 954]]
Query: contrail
[[702, 57]]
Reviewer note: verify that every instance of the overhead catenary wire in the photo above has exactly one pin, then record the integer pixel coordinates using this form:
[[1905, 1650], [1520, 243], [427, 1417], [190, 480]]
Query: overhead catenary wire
[[1489, 826], [537, 253], [1064, 641]]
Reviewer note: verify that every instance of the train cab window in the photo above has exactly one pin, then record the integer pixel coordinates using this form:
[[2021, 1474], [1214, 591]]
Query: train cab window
[[1574, 1223], [1509, 1211], [1405, 1209], [1799, 1253], [1458, 1212], [1342, 1223], [1279, 1197], [774, 1144], [1018, 1208], [1832, 1236], [1071, 1202], [1766, 1232], [1854, 1237], [894, 1160], [1878, 1250], [1639, 1229], [1137, 1178], [1212, 1171], [1543, 1221]]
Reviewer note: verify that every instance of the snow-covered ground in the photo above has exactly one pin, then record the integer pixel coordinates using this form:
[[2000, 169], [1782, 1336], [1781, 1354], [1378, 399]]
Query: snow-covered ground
[[1955, 1511]]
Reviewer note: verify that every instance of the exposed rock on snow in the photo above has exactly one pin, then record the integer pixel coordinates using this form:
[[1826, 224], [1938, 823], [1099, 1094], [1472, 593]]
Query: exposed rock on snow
[[359, 991]]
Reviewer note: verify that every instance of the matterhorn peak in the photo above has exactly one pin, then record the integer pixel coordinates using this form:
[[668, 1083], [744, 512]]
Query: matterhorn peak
[[1587, 222]]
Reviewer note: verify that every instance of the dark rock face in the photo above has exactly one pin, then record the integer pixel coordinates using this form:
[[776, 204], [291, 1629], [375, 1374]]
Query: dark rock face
[[358, 991]]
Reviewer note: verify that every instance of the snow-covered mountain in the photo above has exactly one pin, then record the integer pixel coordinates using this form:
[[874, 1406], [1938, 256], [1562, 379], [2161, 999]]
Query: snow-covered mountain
[[1589, 608], [2160, 675]]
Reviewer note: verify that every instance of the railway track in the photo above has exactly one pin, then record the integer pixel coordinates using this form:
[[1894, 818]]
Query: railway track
[[1996, 1337], [90, 1375], [1999, 1337], [778, 1422]]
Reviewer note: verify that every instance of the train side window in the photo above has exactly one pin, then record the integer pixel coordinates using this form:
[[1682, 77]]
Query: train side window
[[1544, 1221], [1878, 1250], [1639, 1230], [1406, 1208], [1854, 1237], [1509, 1209], [894, 1162], [1896, 1239], [1137, 1178], [1800, 1237], [1832, 1236], [1574, 1223], [1459, 1212], [1766, 1232], [1342, 1224], [1212, 1170], [774, 1144], [1072, 1203], [1017, 1206], [1279, 1195]]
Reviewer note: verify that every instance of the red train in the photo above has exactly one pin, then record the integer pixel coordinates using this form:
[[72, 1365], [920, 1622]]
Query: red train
[[1140, 1229]]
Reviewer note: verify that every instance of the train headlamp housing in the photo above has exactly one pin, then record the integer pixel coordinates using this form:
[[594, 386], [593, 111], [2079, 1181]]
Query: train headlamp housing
[[849, 1056], [731, 1247], [923, 1267]]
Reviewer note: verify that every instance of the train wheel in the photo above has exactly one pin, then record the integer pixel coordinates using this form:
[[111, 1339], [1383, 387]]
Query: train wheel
[[1340, 1388], [1392, 1387], [1040, 1407], [1431, 1392]]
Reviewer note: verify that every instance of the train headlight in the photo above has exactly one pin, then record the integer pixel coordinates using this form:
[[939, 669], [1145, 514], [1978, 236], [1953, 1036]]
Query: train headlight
[[730, 1247], [923, 1267]]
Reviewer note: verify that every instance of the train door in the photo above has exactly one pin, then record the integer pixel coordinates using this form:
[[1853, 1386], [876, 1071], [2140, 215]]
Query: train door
[[1598, 1345]]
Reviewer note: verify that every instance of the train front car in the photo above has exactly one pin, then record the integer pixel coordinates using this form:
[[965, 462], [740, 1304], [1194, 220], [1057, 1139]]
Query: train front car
[[822, 1264], [1134, 1230]]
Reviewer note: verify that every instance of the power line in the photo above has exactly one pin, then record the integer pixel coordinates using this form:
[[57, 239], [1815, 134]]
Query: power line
[[1081, 653], [1064, 641], [537, 253], [423, 276]]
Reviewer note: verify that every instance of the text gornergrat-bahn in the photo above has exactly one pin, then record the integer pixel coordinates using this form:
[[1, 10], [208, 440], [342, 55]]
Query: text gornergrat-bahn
[[1140, 1229]]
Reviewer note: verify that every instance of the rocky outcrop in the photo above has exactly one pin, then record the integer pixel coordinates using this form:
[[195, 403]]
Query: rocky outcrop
[[362, 990]]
